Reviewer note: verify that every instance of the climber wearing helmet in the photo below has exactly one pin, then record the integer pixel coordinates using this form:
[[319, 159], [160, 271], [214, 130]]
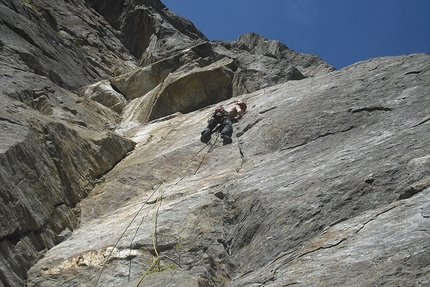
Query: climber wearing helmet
[[223, 117], [237, 110]]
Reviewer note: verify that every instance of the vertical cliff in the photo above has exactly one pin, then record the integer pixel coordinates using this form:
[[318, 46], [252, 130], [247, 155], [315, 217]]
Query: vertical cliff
[[104, 181]]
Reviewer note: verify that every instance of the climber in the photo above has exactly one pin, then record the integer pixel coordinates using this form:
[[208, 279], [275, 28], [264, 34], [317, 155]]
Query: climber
[[223, 118]]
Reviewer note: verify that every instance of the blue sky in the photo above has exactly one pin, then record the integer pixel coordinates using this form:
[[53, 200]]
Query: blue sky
[[341, 32]]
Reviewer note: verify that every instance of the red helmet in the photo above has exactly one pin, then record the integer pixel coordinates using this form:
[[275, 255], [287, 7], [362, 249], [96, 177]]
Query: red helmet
[[242, 105], [219, 109]]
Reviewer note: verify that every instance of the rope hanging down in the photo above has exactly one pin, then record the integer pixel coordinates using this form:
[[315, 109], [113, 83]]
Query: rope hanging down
[[154, 226], [155, 217]]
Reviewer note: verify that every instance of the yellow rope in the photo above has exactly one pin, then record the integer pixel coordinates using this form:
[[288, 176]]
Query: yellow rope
[[146, 272], [154, 223], [154, 245], [154, 226]]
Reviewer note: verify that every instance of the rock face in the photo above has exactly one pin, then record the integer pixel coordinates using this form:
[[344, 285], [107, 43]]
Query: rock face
[[264, 63], [104, 181], [326, 183]]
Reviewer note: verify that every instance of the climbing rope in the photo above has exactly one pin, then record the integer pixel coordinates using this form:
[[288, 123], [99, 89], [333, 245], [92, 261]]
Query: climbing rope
[[122, 235], [210, 149], [154, 226], [154, 243], [157, 206]]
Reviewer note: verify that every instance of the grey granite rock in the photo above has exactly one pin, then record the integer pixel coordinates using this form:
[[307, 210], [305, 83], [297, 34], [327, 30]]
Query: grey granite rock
[[316, 190], [326, 181]]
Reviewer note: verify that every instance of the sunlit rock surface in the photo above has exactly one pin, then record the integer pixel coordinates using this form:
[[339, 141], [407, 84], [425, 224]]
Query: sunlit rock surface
[[326, 177], [104, 180]]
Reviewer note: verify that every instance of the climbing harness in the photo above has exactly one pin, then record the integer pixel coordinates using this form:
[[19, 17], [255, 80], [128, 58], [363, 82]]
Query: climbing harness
[[156, 210]]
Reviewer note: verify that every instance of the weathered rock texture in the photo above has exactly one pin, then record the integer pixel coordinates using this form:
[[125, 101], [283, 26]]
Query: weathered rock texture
[[326, 183], [103, 175], [264, 63]]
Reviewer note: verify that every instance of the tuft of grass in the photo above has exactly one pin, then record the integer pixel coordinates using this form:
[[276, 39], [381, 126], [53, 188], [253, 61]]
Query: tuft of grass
[[51, 15], [161, 268], [45, 12]]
